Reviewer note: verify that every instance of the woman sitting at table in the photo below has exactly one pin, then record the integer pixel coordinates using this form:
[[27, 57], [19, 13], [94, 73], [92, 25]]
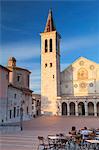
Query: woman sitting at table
[[73, 131]]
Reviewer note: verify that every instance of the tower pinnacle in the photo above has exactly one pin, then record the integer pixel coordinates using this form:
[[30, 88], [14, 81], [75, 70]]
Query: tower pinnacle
[[50, 23]]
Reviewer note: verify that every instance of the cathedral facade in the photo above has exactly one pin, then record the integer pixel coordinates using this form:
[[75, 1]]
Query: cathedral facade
[[75, 90]]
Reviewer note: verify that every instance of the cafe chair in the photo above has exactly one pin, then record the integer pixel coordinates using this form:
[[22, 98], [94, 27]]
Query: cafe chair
[[43, 145], [51, 143]]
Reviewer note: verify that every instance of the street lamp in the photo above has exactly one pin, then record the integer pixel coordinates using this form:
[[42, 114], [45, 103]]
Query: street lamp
[[21, 116]]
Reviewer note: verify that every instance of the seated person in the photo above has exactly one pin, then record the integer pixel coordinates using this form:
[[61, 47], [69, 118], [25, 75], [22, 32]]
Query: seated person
[[78, 138], [73, 131], [85, 133], [92, 134]]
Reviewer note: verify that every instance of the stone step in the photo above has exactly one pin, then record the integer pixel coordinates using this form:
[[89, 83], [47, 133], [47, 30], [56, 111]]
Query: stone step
[[15, 142]]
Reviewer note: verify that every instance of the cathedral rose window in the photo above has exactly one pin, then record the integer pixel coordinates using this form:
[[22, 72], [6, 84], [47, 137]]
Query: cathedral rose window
[[91, 84], [83, 85], [81, 63], [75, 85], [92, 67]]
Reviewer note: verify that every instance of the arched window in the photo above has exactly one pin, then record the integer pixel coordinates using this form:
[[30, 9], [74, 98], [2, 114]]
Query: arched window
[[50, 64], [50, 45], [46, 46]]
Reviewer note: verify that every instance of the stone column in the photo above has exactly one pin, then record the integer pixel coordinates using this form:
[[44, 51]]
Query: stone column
[[60, 109], [59, 106], [76, 109], [86, 108], [68, 109], [95, 109]]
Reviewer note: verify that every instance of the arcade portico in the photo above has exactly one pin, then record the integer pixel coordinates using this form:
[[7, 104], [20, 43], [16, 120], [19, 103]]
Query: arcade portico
[[85, 106]]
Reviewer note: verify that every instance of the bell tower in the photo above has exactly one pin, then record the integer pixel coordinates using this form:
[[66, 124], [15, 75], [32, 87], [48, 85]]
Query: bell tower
[[50, 67]]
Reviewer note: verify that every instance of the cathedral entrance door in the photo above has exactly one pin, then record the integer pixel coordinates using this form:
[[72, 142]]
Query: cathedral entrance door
[[64, 108], [81, 109]]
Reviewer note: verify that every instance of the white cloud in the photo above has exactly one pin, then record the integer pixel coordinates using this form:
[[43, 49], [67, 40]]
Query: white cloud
[[35, 85], [35, 80], [21, 51], [79, 42]]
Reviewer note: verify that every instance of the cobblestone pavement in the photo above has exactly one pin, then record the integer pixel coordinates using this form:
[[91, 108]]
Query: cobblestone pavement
[[42, 126]]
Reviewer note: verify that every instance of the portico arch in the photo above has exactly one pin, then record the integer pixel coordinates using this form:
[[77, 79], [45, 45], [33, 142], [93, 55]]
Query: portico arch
[[90, 108], [64, 108], [72, 108], [98, 109], [81, 108]]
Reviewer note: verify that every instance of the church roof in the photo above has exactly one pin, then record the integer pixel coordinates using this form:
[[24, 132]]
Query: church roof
[[18, 68], [12, 59], [50, 23], [78, 59], [4, 68], [83, 58]]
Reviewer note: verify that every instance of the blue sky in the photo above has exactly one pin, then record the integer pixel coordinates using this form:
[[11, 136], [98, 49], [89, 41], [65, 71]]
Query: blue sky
[[22, 22]]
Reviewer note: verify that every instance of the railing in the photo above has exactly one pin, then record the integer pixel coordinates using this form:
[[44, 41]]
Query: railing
[[8, 128], [91, 114]]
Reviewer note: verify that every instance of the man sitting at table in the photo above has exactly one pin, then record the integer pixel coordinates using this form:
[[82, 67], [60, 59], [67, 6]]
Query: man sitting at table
[[73, 131], [85, 133]]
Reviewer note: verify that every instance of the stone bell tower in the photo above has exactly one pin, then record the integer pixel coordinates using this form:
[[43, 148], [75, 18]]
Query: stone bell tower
[[50, 67]]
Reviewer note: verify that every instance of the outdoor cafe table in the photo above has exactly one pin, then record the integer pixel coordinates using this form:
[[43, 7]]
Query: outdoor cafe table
[[54, 137], [97, 137], [56, 141], [93, 144]]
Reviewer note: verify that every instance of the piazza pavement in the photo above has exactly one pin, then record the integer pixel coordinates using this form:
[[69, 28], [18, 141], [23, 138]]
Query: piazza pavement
[[11, 138]]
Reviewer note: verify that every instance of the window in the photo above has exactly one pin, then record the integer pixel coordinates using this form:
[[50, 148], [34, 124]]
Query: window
[[14, 113], [32, 107], [46, 46], [50, 45], [50, 64], [37, 102], [17, 112], [27, 109], [53, 76], [7, 76], [15, 96], [45, 65], [32, 101], [18, 78], [28, 80], [10, 114]]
